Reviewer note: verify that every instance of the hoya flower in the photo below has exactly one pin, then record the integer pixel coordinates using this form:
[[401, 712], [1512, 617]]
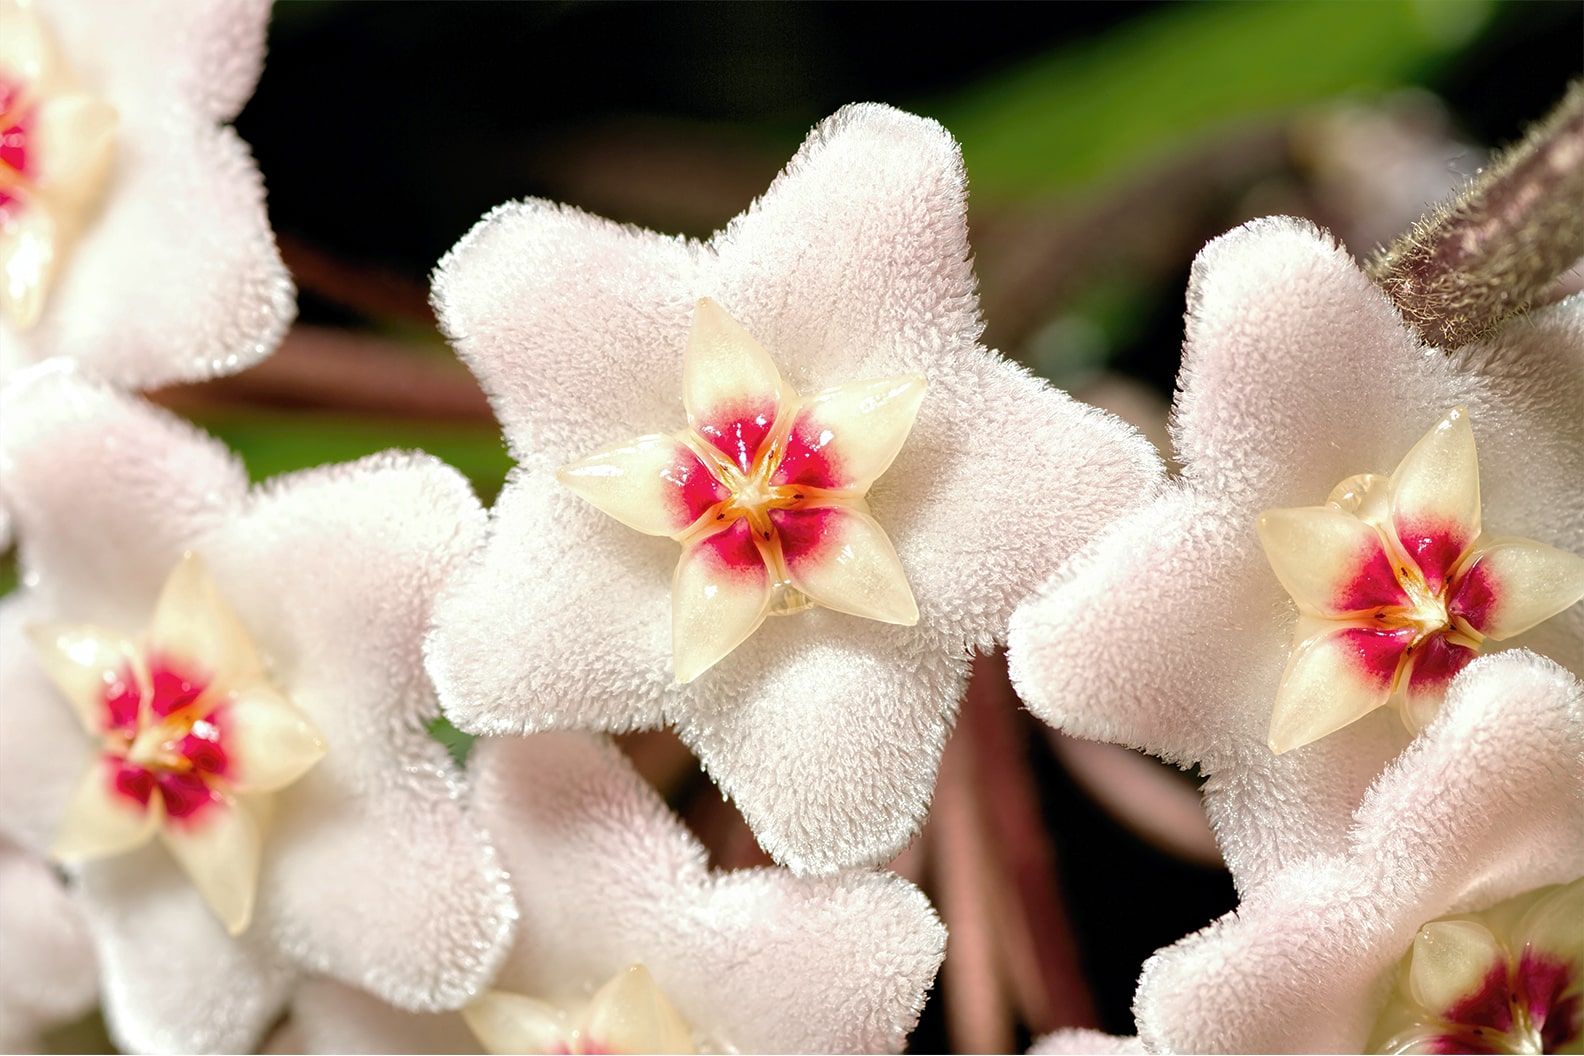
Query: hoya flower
[[1438, 926], [133, 236], [215, 711], [1415, 507], [861, 491], [629, 943]]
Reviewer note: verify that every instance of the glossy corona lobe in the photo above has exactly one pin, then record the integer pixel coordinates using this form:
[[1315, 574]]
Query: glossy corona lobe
[[133, 235], [1508, 979], [1399, 589], [765, 494], [830, 301]]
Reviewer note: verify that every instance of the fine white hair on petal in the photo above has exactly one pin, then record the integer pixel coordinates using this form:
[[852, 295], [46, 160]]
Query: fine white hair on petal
[[573, 324], [1076, 1042], [176, 277], [107, 492], [373, 870], [855, 261], [853, 265], [1487, 803], [327, 1016], [1298, 372], [173, 980], [42, 750], [759, 959], [47, 975], [383, 880], [1169, 631]]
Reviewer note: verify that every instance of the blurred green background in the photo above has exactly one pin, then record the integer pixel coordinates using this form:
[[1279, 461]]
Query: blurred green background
[[1104, 143]]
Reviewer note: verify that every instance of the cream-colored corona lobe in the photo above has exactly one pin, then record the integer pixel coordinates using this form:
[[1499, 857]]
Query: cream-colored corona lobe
[[191, 740], [629, 1014], [1507, 979], [764, 491], [1398, 589]]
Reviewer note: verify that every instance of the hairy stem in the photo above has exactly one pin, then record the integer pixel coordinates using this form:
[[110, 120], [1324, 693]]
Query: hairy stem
[[1491, 250]]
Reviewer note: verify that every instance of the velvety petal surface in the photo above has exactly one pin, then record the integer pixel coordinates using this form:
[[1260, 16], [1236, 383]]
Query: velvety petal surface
[[327, 1016], [763, 960], [208, 294], [1486, 804], [1080, 1042], [43, 751], [210, 993], [1297, 375], [374, 872], [47, 976], [108, 492]]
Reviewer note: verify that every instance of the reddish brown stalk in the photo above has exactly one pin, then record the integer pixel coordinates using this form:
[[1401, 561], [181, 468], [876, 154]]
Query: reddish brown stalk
[[977, 1016], [1017, 834], [321, 368], [374, 293], [1497, 246], [1158, 806], [661, 757]]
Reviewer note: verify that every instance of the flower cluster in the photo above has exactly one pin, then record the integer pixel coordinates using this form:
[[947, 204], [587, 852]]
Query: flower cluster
[[772, 491]]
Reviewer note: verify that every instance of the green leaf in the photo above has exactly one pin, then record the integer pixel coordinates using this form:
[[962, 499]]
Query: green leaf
[[1114, 103], [280, 442]]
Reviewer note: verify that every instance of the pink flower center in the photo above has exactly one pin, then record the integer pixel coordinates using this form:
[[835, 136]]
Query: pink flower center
[[16, 121], [165, 740], [1529, 1005]]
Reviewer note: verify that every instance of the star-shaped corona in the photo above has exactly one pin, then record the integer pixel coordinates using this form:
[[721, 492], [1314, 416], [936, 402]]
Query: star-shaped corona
[[1508, 979], [765, 492], [1398, 589], [192, 740], [56, 142], [629, 1014]]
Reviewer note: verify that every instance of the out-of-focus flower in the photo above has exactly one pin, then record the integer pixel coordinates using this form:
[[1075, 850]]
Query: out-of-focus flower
[[1485, 806], [47, 976], [629, 943], [318, 589], [825, 728], [133, 236], [1171, 632]]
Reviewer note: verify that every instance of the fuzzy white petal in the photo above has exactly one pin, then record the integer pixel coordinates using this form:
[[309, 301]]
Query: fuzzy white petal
[[43, 751], [327, 1016], [760, 959], [47, 976], [173, 980], [1077, 1042], [373, 872], [1486, 804], [107, 491]]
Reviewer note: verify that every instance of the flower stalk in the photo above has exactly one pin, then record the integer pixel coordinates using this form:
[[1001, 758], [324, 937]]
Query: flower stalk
[[1494, 249]]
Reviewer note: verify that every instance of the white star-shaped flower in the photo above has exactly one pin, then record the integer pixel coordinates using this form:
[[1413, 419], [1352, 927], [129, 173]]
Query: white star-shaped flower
[[848, 282], [1420, 506], [629, 943], [246, 663], [133, 235], [1435, 927]]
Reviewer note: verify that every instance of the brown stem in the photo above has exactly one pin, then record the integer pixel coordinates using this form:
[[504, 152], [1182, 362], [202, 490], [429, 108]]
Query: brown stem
[[977, 1017], [1492, 250], [1019, 839]]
